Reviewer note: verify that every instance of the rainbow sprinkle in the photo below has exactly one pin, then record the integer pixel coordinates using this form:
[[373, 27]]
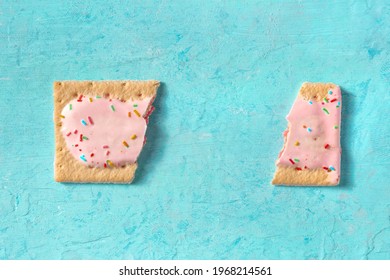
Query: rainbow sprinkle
[[105, 147], [109, 162], [338, 104], [62, 116], [107, 153], [332, 168], [90, 99], [310, 102], [296, 160], [133, 137], [125, 144], [137, 113], [90, 120], [291, 161], [327, 146], [129, 114], [75, 131], [330, 92], [70, 106], [113, 108], [85, 138], [82, 157], [98, 96], [296, 143], [84, 122], [135, 105], [326, 100], [309, 129], [325, 110], [336, 127], [333, 100], [69, 133]]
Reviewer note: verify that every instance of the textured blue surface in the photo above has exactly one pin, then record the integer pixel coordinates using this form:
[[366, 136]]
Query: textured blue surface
[[230, 73]]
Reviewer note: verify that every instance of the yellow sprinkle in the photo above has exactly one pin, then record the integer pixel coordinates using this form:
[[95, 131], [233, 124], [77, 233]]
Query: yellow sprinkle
[[109, 162], [296, 143], [62, 116], [129, 114], [137, 113], [133, 137], [125, 143], [90, 99]]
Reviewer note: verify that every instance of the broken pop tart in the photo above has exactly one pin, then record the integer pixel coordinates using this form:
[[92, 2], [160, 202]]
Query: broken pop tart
[[100, 129], [311, 153]]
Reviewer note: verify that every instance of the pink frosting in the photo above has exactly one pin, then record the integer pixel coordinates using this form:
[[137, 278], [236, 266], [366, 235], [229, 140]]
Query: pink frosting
[[313, 138], [105, 132]]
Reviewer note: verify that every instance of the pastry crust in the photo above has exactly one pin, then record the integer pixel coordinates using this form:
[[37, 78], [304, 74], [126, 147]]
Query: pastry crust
[[66, 167], [306, 177], [315, 91]]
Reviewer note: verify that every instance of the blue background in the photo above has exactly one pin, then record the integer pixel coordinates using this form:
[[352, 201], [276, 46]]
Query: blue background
[[230, 72]]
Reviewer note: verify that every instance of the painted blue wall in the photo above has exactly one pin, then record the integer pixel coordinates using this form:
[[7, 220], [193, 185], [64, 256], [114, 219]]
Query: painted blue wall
[[230, 72]]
